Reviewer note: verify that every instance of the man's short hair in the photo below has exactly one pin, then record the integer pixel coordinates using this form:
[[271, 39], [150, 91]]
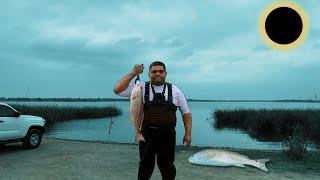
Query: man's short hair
[[157, 63]]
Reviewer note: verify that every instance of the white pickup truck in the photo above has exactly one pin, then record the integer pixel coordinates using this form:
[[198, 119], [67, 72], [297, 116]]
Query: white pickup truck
[[15, 127]]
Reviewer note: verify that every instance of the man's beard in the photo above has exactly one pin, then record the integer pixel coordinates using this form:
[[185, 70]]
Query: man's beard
[[159, 83]]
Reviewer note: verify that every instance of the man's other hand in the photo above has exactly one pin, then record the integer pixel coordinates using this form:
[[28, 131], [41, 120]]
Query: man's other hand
[[187, 140]]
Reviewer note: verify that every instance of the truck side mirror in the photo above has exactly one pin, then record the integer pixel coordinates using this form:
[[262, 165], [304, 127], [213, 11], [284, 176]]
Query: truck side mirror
[[17, 114]]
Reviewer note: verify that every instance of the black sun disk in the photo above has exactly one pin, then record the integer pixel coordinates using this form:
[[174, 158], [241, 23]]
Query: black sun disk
[[283, 25]]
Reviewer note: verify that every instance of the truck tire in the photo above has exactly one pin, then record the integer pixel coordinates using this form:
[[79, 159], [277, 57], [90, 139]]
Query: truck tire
[[32, 139]]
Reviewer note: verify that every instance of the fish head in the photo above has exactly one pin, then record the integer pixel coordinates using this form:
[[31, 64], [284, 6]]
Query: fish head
[[138, 83], [193, 159], [200, 156]]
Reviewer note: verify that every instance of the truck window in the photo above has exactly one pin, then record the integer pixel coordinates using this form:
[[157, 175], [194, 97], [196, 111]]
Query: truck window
[[6, 111]]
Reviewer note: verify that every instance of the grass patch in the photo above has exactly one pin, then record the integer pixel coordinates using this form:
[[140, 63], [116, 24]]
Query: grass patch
[[53, 114], [296, 129]]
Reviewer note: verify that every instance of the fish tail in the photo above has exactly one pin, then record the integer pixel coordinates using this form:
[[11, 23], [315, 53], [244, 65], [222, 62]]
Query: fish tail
[[263, 164]]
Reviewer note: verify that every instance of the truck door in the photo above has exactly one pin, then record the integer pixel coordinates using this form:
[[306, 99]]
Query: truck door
[[9, 124]]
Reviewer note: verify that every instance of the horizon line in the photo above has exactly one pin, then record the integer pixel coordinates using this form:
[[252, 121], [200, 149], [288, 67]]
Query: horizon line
[[127, 99]]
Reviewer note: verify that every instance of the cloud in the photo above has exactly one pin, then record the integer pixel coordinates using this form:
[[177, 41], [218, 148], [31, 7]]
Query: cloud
[[214, 42]]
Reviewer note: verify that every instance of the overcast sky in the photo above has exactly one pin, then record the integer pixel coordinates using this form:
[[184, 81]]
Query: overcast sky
[[212, 49]]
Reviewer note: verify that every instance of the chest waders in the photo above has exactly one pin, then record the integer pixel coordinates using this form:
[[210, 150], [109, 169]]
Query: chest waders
[[158, 129]]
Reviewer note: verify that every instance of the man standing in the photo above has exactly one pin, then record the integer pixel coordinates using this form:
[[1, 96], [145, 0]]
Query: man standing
[[157, 137]]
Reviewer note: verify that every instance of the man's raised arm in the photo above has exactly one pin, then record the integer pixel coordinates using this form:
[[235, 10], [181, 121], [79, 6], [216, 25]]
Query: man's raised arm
[[124, 82]]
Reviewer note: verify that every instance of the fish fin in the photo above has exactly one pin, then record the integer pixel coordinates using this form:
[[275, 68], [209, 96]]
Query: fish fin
[[263, 164], [236, 154], [239, 165]]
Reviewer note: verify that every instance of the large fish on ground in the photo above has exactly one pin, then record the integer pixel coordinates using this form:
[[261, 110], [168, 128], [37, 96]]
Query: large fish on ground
[[214, 157]]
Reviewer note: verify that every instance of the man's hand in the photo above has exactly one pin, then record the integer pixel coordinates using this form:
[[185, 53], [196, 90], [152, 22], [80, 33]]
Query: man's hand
[[187, 121], [187, 140], [140, 137], [137, 69]]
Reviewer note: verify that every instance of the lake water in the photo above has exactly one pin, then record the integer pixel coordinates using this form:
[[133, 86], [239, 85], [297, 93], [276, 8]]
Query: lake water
[[203, 131]]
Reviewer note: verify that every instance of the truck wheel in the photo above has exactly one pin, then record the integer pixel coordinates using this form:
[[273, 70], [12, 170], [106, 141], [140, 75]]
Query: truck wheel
[[32, 139]]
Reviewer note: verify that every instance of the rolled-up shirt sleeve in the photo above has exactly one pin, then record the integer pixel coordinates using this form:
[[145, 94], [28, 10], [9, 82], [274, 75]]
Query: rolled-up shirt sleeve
[[182, 103], [126, 92]]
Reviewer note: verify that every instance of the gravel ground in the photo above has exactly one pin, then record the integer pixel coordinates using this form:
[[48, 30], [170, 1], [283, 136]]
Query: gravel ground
[[68, 159]]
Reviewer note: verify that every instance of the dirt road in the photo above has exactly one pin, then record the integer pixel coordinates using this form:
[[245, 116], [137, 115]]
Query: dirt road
[[66, 159]]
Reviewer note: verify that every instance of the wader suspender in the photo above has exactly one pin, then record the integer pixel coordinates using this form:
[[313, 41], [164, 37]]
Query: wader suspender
[[169, 93], [147, 92]]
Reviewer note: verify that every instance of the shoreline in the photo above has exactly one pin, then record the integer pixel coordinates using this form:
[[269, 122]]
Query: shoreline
[[73, 159], [177, 146], [182, 146]]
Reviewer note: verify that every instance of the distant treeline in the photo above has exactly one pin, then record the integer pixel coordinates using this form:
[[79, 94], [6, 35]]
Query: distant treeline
[[127, 99]]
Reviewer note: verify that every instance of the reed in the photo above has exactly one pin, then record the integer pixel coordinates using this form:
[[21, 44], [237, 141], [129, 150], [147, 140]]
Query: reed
[[53, 114], [296, 128]]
